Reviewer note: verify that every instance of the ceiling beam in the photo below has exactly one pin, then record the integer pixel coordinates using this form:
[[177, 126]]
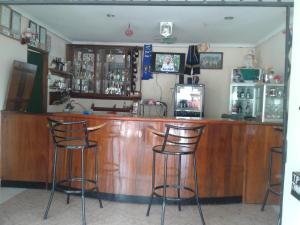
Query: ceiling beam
[[258, 3]]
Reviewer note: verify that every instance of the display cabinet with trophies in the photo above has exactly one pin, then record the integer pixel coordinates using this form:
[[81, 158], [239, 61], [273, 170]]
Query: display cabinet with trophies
[[252, 97], [105, 72]]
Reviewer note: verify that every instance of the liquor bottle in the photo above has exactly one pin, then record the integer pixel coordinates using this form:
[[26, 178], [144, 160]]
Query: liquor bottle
[[248, 94], [239, 109], [242, 94], [234, 108], [248, 109]]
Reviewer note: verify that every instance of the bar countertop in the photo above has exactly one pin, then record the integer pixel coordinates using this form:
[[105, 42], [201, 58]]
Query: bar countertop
[[171, 119], [232, 157]]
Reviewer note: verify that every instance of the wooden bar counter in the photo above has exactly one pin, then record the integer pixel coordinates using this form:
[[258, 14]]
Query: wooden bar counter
[[232, 158]]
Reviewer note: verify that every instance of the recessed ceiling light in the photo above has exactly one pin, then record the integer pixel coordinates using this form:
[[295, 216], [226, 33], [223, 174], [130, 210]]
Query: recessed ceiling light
[[110, 15], [228, 18]]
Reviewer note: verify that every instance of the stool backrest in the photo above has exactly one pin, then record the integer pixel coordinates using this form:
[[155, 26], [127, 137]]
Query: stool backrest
[[68, 131], [183, 136]]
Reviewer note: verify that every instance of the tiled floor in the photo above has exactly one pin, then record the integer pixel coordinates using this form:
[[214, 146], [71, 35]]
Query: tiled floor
[[7, 193], [28, 208]]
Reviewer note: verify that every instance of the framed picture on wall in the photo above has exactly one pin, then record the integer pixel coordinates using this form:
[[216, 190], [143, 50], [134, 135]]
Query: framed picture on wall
[[43, 37], [5, 17], [16, 24], [211, 60], [33, 29], [48, 43]]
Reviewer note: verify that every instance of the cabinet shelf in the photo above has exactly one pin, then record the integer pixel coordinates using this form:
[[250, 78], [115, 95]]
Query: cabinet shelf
[[126, 109], [59, 73], [100, 96]]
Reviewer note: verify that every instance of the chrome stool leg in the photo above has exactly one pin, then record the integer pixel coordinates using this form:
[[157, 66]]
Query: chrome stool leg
[[96, 177], [196, 190], [83, 187], [53, 183], [163, 209], [271, 184], [70, 161], [178, 182], [153, 183]]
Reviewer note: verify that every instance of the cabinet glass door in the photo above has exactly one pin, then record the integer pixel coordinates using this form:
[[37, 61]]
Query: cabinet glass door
[[245, 100], [116, 66], [84, 66], [273, 104]]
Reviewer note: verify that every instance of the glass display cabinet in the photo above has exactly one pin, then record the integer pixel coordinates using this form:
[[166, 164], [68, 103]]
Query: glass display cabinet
[[272, 110], [105, 72], [117, 79], [246, 99]]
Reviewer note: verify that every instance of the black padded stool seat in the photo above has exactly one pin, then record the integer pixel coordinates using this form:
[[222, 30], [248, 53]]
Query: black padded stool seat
[[178, 142]]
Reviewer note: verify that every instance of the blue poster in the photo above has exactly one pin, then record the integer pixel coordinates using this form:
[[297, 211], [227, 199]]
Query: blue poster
[[147, 74]]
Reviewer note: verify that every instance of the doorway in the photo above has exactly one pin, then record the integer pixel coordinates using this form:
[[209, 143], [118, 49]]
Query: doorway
[[36, 103]]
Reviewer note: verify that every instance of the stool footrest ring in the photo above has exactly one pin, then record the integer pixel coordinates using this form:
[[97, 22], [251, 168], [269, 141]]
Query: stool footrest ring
[[63, 185], [174, 186]]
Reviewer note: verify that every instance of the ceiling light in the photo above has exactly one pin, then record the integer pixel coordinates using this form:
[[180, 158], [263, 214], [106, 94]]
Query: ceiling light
[[228, 18]]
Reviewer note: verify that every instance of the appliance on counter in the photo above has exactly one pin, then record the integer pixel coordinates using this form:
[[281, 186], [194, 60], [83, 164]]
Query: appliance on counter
[[246, 100], [272, 109], [189, 100], [151, 107]]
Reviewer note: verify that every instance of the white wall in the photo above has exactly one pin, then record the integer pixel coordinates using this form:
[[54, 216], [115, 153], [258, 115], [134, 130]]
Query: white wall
[[291, 206], [58, 49], [11, 50], [217, 82], [271, 53]]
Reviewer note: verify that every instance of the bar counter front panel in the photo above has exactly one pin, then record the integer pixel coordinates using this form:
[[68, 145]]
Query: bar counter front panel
[[232, 157]]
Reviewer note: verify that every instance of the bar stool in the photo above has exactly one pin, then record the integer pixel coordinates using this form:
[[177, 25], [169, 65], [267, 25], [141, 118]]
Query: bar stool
[[271, 186], [178, 141], [70, 137]]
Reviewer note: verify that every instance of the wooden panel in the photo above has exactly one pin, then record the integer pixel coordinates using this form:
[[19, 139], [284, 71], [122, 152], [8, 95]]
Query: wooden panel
[[20, 86], [221, 156], [231, 159], [24, 147], [126, 159], [259, 141]]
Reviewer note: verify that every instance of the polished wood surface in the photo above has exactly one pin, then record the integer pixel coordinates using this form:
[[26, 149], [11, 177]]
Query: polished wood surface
[[260, 139], [20, 86], [25, 147], [231, 158]]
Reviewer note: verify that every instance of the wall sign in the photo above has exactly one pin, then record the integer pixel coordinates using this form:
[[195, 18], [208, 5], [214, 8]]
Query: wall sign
[[296, 185]]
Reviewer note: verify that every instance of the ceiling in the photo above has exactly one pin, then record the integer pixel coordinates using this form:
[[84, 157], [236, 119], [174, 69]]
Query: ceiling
[[90, 23]]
